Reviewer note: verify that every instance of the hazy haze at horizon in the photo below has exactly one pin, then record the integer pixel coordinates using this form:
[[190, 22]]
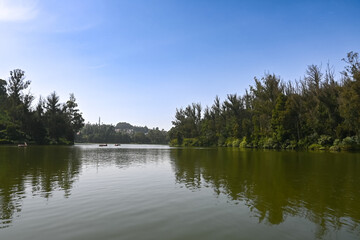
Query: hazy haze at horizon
[[137, 61]]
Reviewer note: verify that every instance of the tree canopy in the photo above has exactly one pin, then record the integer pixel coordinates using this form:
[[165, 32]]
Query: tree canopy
[[121, 133], [50, 122], [314, 112]]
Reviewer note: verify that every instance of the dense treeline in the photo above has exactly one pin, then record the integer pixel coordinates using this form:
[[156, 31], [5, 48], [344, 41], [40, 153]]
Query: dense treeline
[[121, 133], [317, 112], [127, 127], [50, 122]]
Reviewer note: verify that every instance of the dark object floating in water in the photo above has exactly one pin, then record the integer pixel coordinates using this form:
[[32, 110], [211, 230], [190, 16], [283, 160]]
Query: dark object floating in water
[[117, 145], [102, 145], [22, 145]]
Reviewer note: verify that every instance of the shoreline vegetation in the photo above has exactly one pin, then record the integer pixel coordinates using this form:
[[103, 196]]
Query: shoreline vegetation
[[121, 133], [317, 112], [314, 113], [50, 122], [53, 123]]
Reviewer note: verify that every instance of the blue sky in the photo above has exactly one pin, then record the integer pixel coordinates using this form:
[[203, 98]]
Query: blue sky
[[137, 61]]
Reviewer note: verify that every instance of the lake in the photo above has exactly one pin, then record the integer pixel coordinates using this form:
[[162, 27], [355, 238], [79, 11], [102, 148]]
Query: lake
[[158, 192]]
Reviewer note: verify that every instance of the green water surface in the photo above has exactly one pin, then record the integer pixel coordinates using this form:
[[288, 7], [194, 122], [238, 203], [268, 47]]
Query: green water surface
[[157, 192]]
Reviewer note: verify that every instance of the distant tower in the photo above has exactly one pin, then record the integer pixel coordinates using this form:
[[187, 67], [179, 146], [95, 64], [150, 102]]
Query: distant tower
[[99, 121]]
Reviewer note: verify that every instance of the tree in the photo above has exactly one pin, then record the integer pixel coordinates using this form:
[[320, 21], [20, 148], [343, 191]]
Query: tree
[[307, 111], [54, 117], [49, 122], [349, 100], [16, 85], [3, 93], [278, 120], [265, 93], [188, 121], [75, 119]]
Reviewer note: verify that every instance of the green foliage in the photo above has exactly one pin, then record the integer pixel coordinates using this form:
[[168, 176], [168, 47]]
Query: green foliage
[[305, 114], [316, 146], [140, 137], [174, 143], [270, 143], [236, 143], [127, 127], [335, 148], [3, 93], [221, 141], [350, 143], [229, 142], [349, 100], [104, 133], [325, 140], [244, 143], [290, 145], [191, 142], [187, 142], [51, 122]]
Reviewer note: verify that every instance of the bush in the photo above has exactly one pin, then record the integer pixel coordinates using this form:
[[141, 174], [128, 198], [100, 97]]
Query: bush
[[290, 145], [191, 142], [229, 142], [336, 142], [325, 140], [221, 142], [173, 143], [349, 141], [302, 144], [270, 143], [5, 141], [243, 143], [335, 148], [236, 143], [63, 141], [316, 146]]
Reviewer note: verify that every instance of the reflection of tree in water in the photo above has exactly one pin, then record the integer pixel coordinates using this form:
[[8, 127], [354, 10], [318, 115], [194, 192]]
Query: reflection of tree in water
[[44, 169], [323, 187], [122, 157]]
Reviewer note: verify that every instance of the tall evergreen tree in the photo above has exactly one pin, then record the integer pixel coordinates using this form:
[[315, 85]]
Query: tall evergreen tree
[[316, 110]]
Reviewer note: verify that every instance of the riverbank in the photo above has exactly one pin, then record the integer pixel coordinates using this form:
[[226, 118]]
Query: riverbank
[[322, 143]]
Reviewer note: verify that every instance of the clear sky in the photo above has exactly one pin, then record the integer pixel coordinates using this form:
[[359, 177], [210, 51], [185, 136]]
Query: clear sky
[[137, 61]]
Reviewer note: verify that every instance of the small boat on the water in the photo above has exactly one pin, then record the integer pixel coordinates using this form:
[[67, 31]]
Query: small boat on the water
[[22, 145], [116, 145], [103, 145]]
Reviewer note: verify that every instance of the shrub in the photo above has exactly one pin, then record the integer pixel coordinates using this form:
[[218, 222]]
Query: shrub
[[302, 144], [5, 141], [229, 142], [349, 141], [316, 146], [243, 143], [63, 141], [236, 143], [269, 143], [290, 145], [221, 142], [174, 142], [336, 142], [325, 140], [334, 148], [313, 138], [191, 142]]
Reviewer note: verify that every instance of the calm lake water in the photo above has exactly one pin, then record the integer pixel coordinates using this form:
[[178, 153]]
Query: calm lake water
[[157, 192]]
